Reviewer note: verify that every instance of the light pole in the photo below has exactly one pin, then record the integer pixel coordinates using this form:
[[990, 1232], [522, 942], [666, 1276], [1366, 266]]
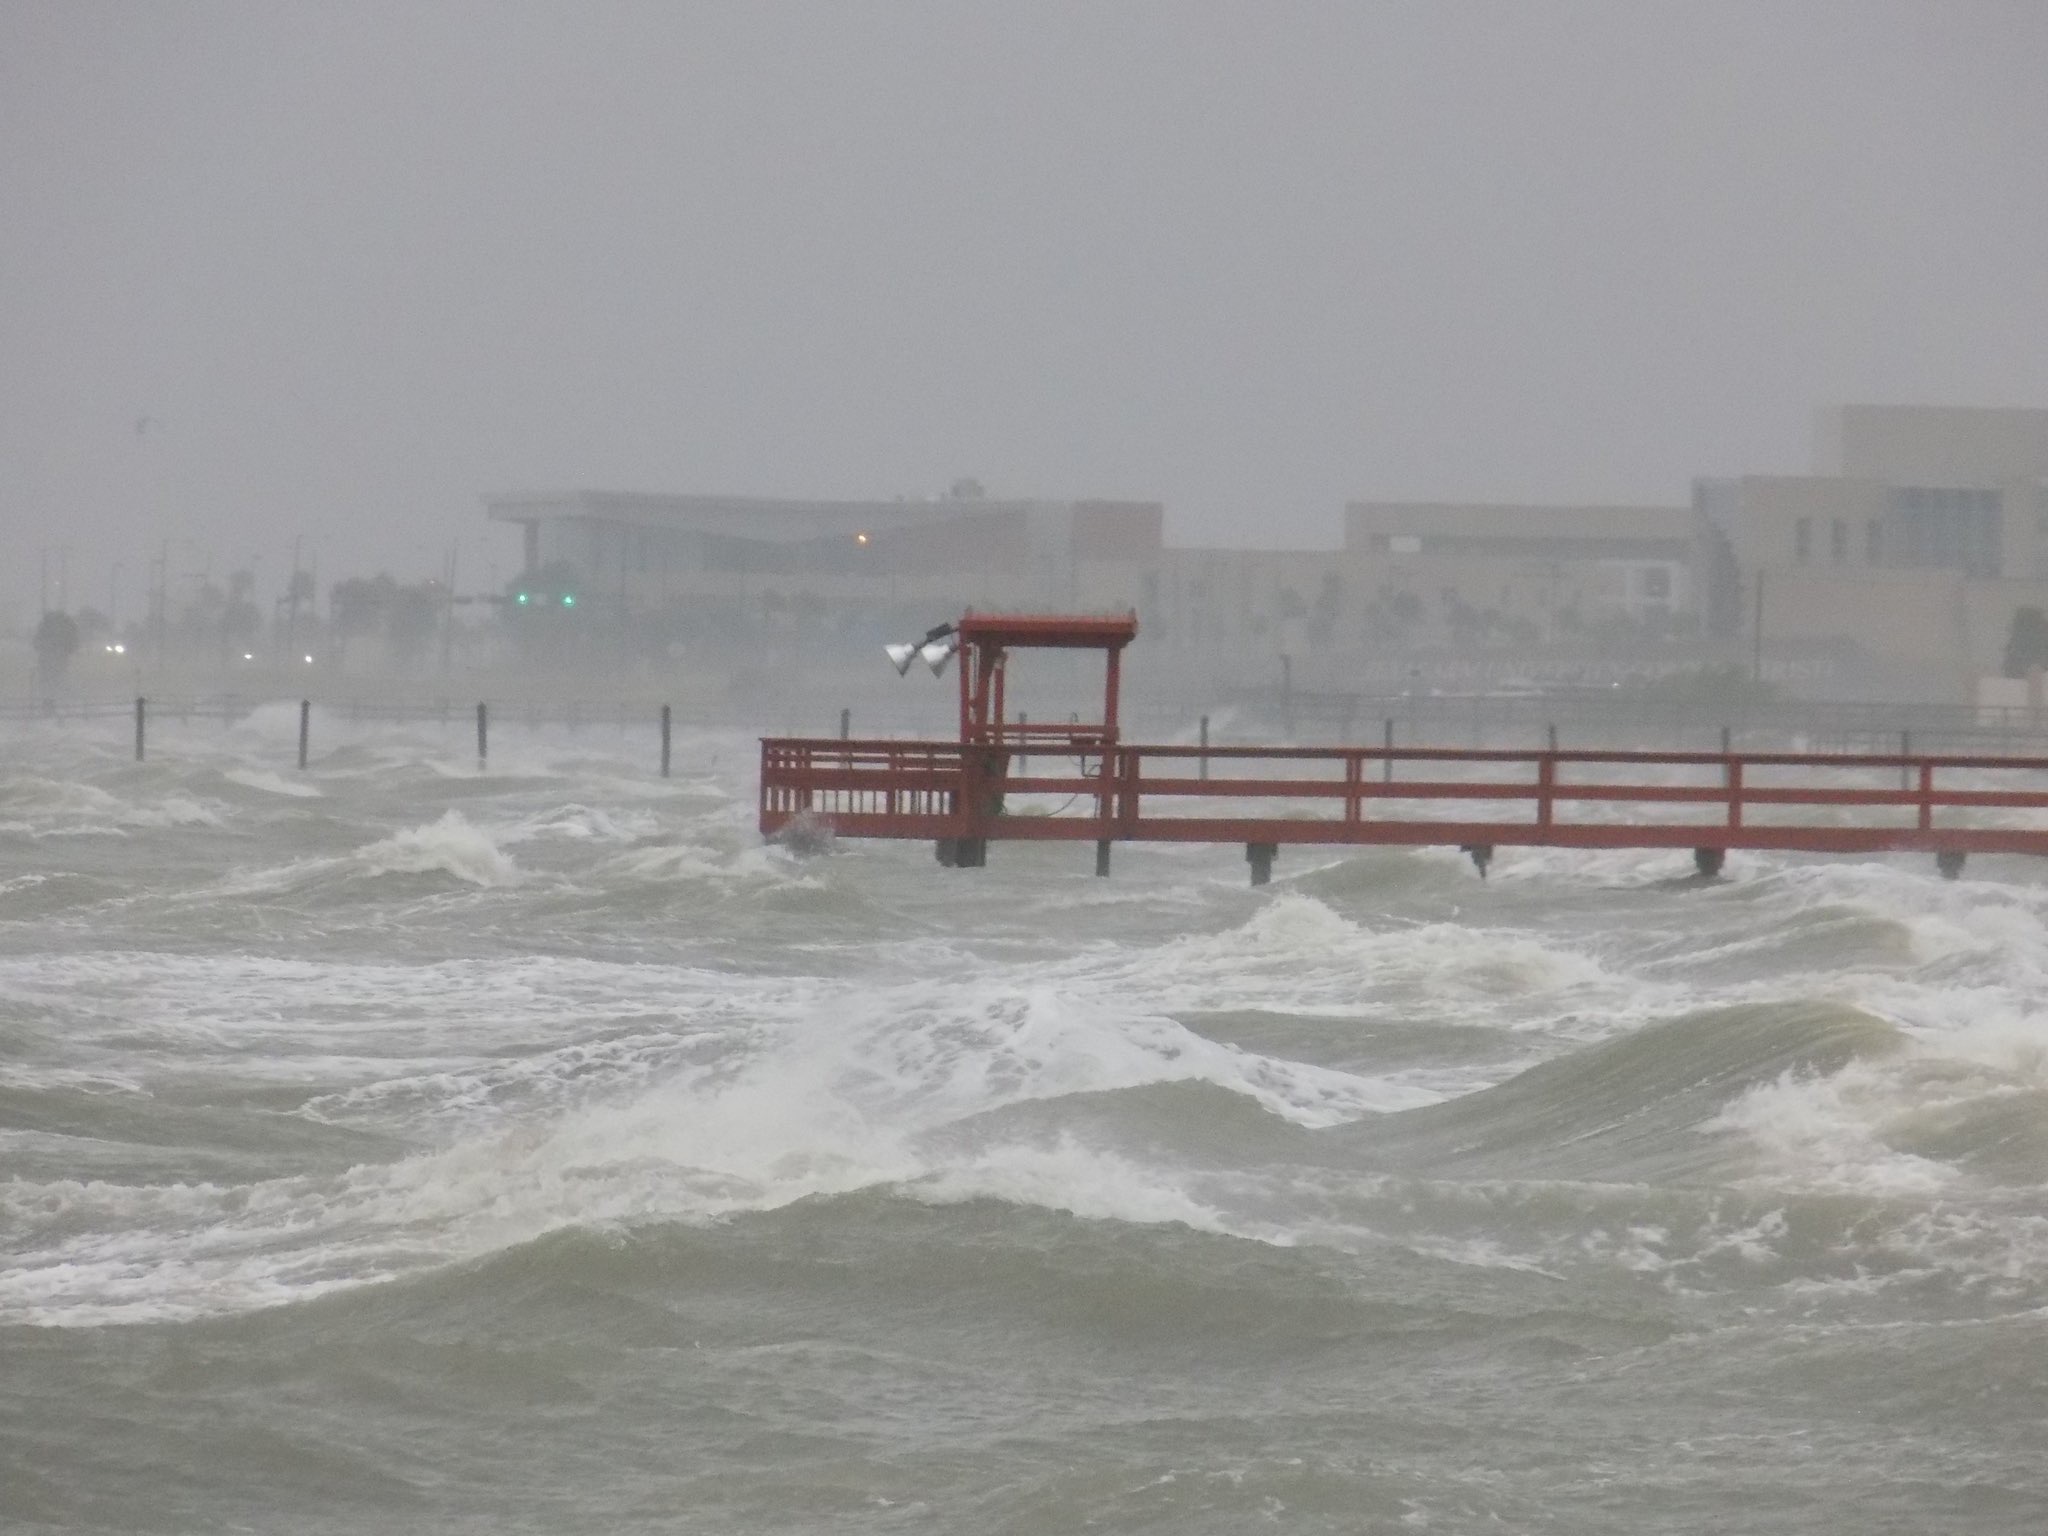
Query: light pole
[[1757, 661]]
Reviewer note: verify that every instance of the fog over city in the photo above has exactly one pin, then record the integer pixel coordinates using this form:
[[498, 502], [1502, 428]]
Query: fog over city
[[898, 766], [333, 272]]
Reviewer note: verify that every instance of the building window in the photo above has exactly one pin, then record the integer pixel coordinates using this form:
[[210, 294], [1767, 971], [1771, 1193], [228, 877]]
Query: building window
[[1949, 528], [1802, 539], [1873, 542], [1838, 541]]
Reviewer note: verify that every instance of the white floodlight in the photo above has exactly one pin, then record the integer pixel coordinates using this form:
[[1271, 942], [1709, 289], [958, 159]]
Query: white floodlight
[[937, 653], [937, 647]]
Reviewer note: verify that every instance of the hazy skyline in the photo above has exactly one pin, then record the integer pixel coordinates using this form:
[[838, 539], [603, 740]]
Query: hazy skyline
[[357, 265]]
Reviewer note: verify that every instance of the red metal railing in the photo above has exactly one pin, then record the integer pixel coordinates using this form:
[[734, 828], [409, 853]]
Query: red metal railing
[[1371, 795]]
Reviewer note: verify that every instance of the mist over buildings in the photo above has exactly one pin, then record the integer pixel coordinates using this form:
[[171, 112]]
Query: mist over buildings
[[327, 276]]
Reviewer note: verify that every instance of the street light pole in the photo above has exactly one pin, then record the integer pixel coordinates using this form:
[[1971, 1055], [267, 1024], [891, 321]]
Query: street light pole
[[1757, 659]]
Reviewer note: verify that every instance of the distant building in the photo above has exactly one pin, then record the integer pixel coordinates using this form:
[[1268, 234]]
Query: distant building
[[1928, 530], [1525, 572], [1980, 447], [735, 563], [1899, 565]]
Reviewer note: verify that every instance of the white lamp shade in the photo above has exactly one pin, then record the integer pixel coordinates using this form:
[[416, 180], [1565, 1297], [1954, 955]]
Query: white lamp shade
[[937, 654], [900, 656]]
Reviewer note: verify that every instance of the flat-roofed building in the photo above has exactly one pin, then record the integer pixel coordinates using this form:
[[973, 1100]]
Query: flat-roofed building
[[1521, 570], [1924, 578], [1933, 445], [733, 563]]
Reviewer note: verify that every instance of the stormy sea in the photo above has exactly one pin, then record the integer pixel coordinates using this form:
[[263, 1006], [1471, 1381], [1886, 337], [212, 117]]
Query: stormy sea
[[398, 1146]]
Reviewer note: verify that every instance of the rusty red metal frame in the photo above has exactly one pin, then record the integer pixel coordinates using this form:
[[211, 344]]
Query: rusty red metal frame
[[963, 794], [901, 789]]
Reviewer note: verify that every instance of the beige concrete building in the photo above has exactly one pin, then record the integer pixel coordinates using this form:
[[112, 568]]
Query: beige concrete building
[[1932, 444], [1916, 551], [1903, 560], [1519, 573]]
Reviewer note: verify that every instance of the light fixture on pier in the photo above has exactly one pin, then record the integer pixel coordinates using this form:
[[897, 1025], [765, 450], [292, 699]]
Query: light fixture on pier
[[936, 649], [936, 653]]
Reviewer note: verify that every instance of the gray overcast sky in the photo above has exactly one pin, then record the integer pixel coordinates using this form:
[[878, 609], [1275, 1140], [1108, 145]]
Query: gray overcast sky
[[361, 262]]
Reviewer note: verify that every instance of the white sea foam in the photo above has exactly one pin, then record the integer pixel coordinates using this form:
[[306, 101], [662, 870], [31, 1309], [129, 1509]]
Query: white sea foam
[[448, 846], [1298, 954], [838, 1090], [271, 782], [544, 1091], [46, 807]]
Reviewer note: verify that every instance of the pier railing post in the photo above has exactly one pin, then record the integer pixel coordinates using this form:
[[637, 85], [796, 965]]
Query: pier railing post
[[141, 712], [666, 720]]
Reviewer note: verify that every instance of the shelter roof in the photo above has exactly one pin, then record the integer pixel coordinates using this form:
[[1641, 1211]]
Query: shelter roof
[[1072, 631]]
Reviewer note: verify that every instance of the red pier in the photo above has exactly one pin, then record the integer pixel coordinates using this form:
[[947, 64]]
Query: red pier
[[1004, 780]]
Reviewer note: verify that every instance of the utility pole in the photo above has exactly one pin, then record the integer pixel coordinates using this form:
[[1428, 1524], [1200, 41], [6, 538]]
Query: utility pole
[[159, 601], [1757, 662], [291, 604], [448, 608]]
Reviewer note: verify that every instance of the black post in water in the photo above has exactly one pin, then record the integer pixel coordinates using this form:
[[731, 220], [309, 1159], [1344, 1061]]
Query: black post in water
[[665, 721], [483, 733], [1023, 744], [1552, 730], [845, 724], [1205, 747], [141, 709], [1387, 763], [305, 729], [1905, 750]]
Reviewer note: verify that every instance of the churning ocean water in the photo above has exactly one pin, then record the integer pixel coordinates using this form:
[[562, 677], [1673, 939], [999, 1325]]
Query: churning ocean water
[[398, 1147]]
